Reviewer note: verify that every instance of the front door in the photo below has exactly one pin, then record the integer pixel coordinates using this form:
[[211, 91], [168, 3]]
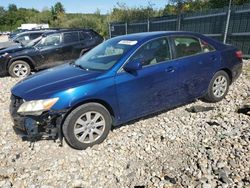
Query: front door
[[50, 51], [142, 92]]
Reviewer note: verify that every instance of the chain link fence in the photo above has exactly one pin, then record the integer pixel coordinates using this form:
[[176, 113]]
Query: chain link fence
[[230, 26]]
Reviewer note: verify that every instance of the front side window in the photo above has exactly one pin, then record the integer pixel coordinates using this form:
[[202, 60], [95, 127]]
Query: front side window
[[22, 38], [35, 35], [186, 46], [50, 40], [153, 52]]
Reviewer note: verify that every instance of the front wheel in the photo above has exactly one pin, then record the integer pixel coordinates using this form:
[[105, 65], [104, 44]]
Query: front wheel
[[87, 125], [218, 87], [19, 68]]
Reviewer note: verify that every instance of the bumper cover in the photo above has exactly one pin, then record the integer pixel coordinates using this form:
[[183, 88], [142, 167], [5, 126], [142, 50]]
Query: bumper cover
[[45, 126], [236, 71]]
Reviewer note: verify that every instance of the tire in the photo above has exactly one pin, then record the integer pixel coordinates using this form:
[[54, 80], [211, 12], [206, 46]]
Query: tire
[[218, 87], [84, 121], [19, 68]]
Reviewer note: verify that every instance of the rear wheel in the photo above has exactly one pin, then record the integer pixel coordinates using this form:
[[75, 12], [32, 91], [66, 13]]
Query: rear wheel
[[87, 125], [218, 87], [19, 68]]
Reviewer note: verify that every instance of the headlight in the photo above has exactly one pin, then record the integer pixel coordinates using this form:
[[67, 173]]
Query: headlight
[[36, 107]]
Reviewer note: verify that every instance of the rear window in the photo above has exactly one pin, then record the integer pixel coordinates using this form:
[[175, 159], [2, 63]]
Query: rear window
[[70, 37]]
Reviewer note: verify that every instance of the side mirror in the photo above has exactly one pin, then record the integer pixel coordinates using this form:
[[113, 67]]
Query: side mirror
[[133, 65]]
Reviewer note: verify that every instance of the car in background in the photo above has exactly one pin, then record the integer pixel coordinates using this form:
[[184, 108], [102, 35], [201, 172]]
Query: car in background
[[27, 36], [50, 49], [122, 79], [16, 32], [22, 38]]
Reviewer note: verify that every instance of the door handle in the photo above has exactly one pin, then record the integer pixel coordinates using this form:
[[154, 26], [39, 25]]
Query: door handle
[[213, 58], [169, 69]]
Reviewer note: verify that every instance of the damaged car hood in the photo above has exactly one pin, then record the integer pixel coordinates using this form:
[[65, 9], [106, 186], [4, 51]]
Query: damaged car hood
[[45, 83]]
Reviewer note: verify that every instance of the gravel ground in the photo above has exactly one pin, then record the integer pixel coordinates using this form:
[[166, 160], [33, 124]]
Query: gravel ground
[[175, 148]]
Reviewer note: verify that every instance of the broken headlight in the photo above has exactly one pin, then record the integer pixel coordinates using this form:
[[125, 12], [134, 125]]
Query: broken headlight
[[36, 107]]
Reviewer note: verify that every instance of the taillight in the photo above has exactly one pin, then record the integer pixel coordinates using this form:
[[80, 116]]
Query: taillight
[[239, 54]]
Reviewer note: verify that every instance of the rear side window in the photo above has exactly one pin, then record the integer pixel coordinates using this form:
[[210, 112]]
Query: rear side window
[[93, 34], [84, 36], [206, 47], [70, 37], [186, 46]]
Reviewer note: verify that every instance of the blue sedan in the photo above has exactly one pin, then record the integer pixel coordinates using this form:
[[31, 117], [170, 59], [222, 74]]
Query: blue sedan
[[122, 79]]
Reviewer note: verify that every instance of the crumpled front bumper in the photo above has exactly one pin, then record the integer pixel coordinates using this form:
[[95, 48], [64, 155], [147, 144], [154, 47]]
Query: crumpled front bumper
[[45, 126]]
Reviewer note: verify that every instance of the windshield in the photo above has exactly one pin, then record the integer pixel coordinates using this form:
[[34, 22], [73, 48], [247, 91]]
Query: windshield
[[33, 42], [105, 55]]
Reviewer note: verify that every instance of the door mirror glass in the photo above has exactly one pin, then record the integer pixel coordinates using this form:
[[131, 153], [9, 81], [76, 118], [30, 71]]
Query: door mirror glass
[[133, 65]]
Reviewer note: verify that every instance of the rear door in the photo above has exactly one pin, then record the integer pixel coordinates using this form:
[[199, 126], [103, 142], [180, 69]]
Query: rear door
[[86, 42], [195, 62], [71, 47]]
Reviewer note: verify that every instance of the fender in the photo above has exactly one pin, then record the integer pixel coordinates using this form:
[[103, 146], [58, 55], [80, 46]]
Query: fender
[[20, 58]]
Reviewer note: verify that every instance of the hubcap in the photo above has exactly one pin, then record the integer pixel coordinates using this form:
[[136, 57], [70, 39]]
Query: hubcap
[[89, 127], [219, 86], [20, 70]]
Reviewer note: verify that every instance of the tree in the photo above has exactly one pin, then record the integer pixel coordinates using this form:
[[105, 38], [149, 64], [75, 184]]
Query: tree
[[12, 7], [59, 9], [224, 3], [58, 14]]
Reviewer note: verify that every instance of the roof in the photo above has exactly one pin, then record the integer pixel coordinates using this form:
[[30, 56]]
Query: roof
[[60, 30], [154, 34]]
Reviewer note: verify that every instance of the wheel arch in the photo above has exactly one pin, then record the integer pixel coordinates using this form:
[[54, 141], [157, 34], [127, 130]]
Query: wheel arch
[[228, 71], [98, 101], [23, 58]]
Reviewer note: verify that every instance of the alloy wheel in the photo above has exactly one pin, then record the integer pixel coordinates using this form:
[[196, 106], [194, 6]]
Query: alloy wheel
[[220, 86], [20, 70], [89, 127]]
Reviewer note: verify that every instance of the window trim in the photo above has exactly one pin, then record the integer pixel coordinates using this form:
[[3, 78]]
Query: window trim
[[120, 70], [190, 36]]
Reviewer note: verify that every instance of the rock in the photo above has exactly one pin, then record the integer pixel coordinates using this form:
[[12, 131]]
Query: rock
[[174, 148]]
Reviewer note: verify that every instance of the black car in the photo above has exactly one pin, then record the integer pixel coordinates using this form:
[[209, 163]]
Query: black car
[[27, 36], [22, 38], [48, 50]]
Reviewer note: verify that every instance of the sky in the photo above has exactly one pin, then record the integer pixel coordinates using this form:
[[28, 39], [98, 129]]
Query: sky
[[82, 6]]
